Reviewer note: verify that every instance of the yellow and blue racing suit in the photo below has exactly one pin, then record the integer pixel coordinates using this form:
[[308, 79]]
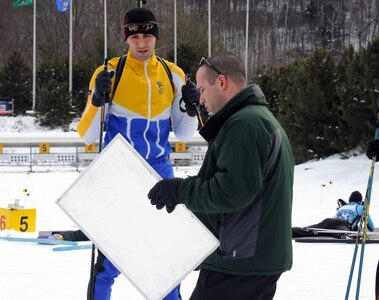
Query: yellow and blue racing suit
[[143, 110]]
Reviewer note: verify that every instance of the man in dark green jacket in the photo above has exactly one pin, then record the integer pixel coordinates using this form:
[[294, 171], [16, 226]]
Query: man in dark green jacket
[[243, 191]]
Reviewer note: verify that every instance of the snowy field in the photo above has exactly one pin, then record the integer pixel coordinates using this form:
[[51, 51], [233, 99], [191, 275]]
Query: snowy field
[[320, 271]]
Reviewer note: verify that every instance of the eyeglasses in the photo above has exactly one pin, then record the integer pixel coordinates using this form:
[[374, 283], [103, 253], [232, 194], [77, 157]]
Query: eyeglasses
[[140, 26], [203, 61]]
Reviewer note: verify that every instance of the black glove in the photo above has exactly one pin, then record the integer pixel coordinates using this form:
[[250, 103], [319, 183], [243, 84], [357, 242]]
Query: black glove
[[103, 84], [165, 193], [373, 149], [340, 203], [191, 97]]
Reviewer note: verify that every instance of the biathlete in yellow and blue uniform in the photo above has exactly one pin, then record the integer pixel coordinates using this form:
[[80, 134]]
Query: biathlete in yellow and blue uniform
[[144, 108], [141, 110]]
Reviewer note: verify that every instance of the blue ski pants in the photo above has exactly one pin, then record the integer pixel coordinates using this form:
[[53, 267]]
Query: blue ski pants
[[106, 272]]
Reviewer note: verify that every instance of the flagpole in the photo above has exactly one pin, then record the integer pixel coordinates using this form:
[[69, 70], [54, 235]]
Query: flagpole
[[34, 53], [105, 29], [175, 34], [209, 29], [70, 54], [247, 37]]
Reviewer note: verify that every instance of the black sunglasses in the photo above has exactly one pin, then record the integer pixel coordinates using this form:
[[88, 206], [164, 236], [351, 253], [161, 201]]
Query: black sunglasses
[[140, 26], [203, 61]]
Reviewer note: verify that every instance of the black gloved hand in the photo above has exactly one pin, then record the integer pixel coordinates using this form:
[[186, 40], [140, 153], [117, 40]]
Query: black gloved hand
[[373, 149], [103, 84], [340, 203], [165, 193], [191, 97]]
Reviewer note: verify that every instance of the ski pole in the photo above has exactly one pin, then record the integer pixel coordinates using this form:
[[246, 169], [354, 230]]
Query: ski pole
[[91, 288], [366, 209], [364, 228], [360, 229], [352, 267], [377, 282], [364, 219], [103, 110], [198, 115]]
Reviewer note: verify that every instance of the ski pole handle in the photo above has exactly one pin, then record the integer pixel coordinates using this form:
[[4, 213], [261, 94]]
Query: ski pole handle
[[104, 94], [199, 116], [195, 106], [102, 118]]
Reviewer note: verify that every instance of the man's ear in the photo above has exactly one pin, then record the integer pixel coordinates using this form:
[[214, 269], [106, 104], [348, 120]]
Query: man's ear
[[223, 82]]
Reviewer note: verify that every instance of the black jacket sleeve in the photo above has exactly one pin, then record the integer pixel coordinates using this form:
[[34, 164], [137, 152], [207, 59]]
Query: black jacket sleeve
[[74, 235]]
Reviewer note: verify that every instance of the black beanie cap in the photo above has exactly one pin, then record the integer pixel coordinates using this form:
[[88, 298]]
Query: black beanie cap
[[355, 197], [139, 16]]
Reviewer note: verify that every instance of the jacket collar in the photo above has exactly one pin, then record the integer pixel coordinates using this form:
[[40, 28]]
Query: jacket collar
[[134, 61], [251, 95]]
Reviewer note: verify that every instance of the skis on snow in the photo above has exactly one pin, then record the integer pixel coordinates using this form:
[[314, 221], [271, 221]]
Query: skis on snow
[[38, 241], [62, 245]]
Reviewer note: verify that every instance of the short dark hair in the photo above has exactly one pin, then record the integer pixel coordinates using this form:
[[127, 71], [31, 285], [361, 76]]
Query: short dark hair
[[230, 65]]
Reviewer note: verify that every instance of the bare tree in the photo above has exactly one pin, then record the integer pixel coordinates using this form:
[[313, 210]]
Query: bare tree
[[279, 30]]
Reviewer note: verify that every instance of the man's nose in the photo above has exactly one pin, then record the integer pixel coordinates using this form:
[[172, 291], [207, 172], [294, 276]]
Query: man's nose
[[202, 100], [141, 42]]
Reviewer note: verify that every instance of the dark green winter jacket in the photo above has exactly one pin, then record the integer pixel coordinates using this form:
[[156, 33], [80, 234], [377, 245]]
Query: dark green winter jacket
[[243, 192]]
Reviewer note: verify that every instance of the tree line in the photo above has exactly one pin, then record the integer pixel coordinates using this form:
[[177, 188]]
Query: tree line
[[326, 105], [279, 31]]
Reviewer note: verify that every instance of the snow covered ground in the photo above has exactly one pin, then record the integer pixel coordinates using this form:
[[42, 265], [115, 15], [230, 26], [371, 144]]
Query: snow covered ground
[[320, 271]]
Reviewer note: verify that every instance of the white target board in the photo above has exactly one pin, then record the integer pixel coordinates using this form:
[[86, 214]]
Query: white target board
[[153, 249]]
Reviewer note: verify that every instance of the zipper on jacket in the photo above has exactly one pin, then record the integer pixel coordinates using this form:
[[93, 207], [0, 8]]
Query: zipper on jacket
[[148, 107], [221, 234]]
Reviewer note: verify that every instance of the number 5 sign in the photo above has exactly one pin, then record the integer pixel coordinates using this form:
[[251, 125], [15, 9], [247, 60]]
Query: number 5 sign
[[23, 220]]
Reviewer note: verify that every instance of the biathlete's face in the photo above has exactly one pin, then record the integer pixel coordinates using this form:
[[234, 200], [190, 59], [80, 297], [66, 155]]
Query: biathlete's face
[[141, 45]]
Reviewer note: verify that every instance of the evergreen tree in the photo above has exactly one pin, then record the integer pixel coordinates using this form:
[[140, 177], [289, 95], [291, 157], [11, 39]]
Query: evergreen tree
[[326, 108], [81, 77], [358, 83], [16, 83], [349, 91], [369, 57], [268, 84], [323, 67], [307, 96], [54, 107]]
